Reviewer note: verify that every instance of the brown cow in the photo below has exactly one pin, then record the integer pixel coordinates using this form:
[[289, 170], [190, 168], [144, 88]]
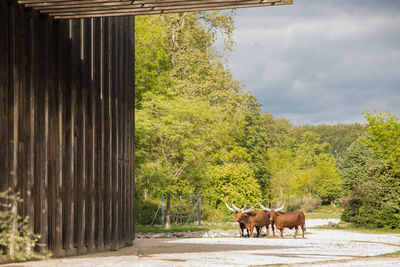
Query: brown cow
[[271, 213], [289, 220], [259, 220], [238, 213]]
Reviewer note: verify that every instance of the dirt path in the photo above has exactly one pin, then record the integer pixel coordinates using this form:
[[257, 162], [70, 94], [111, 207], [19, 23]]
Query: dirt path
[[319, 248]]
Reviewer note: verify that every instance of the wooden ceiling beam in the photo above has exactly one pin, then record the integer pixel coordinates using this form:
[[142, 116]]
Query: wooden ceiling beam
[[151, 12], [146, 6], [40, 3], [63, 9], [78, 6]]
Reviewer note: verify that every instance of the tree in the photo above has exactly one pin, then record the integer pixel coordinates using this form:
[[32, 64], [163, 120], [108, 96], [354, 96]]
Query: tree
[[326, 180], [152, 65], [383, 137], [233, 182], [303, 167], [339, 137], [370, 174], [353, 170], [174, 146]]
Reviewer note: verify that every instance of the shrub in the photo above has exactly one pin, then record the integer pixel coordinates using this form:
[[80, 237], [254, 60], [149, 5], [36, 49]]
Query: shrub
[[146, 210], [305, 203], [233, 183], [16, 238], [374, 204], [309, 203], [211, 214]]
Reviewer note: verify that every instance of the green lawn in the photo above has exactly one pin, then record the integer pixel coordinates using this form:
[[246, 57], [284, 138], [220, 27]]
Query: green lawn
[[182, 228], [325, 212], [322, 215], [226, 226], [363, 230]]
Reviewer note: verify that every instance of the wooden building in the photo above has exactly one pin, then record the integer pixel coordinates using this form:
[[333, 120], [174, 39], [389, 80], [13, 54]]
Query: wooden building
[[67, 115]]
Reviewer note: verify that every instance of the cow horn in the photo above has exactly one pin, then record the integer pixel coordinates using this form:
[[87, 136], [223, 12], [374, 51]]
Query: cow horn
[[280, 208], [229, 207], [264, 208], [236, 208], [248, 210]]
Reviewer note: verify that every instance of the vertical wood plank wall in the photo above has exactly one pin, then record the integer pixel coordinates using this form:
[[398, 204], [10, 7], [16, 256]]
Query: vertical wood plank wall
[[67, 127]]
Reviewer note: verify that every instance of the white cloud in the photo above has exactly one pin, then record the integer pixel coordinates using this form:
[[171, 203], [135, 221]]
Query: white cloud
[[319, 62]]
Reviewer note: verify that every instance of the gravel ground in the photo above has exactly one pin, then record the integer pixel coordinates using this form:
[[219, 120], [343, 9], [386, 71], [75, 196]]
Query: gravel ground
[[320, 248]]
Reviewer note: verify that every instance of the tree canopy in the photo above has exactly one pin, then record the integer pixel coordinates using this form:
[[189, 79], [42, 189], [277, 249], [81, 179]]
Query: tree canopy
[[370, 174]]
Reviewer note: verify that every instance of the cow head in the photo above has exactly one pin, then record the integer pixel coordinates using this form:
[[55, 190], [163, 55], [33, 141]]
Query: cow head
[[272, 213], [239, 213]]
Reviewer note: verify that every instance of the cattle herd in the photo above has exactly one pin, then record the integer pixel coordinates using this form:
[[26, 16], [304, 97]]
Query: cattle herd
[[249, 219]]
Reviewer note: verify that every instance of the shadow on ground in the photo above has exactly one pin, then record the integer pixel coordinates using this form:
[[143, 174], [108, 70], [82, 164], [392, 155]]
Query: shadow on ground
[[148, 247]]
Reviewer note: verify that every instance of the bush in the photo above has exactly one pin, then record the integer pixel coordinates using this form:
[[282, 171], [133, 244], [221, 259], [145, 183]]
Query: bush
[[146, 210], [233, 182], [304, 203], [211, 214], [309, 203], [16, 238], [374, 204]]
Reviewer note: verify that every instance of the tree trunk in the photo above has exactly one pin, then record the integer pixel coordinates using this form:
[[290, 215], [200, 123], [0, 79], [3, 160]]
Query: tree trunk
[[167, 217]]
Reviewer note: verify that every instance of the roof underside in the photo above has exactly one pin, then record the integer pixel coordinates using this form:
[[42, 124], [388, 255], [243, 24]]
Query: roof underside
[[62, 9]]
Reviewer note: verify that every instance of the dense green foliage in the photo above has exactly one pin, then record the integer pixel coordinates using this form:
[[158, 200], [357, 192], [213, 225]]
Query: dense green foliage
[[370, 174], [233, 182], [199, 132], [340, 136], [193, 120], [304, 167], [383, 137]]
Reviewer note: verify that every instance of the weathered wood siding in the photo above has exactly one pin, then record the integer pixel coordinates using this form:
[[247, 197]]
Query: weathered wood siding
[[67, 126]]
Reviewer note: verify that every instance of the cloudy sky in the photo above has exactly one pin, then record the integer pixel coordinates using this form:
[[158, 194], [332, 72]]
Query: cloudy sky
[[320, 61]]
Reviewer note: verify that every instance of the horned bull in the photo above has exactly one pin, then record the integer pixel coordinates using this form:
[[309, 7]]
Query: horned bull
[[239, 213], [289, 220], [271, 213]]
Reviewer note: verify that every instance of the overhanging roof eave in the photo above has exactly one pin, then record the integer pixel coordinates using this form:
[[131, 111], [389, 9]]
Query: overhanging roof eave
[[63, 9]]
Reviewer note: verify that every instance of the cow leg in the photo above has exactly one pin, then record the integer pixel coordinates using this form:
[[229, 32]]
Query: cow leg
[[267, 231], [248, 233], [296, 231], [251, 232], [273, 229], [302, 229], [281, 232]]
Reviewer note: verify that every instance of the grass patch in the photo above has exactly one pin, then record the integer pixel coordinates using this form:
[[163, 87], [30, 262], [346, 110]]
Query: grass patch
[[348, 227], [329, 209], [372, 231], [182, 228], [322, 215], [325, 212], [388, 255]]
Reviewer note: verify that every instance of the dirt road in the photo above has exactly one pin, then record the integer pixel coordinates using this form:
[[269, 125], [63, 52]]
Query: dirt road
[[320, 247]]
